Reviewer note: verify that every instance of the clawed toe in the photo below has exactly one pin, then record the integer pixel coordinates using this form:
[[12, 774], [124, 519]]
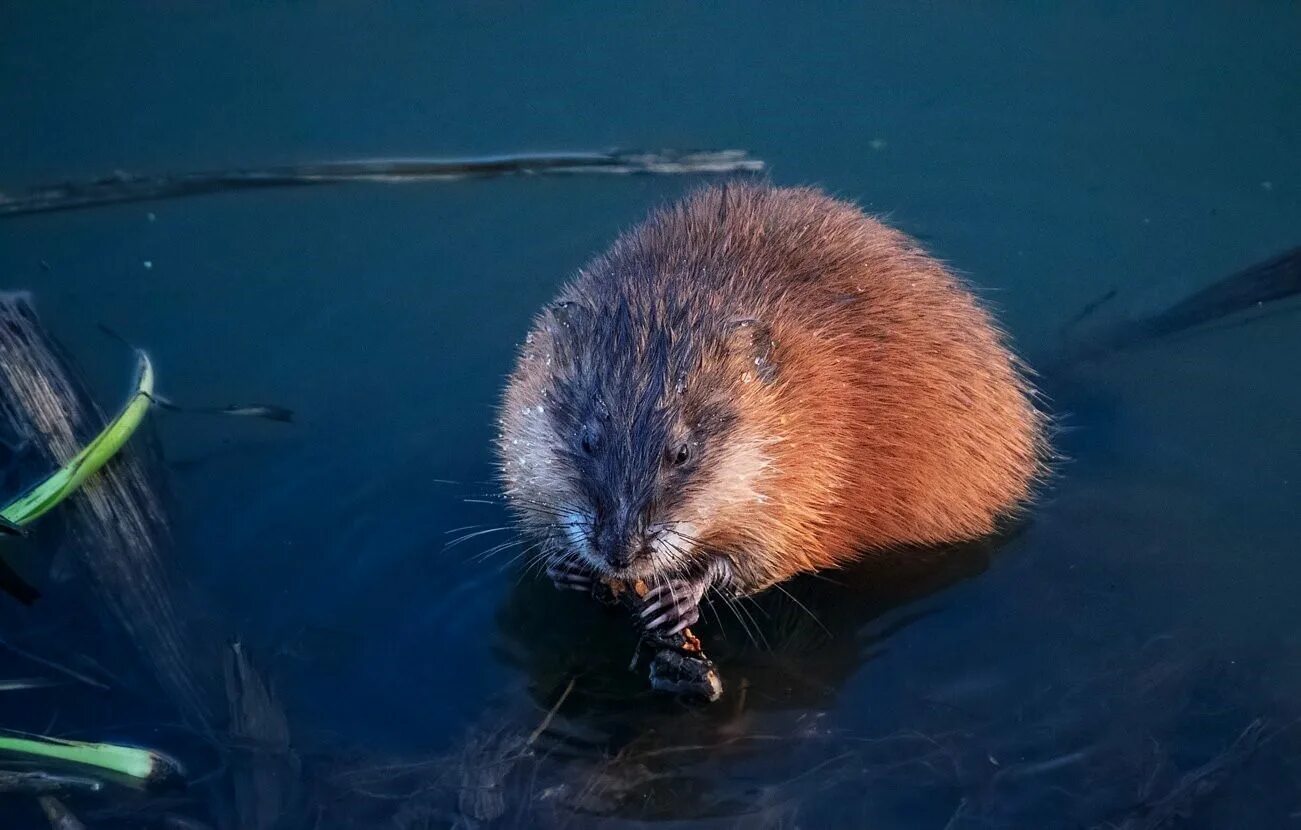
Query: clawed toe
[[671, 622], [671, 607], [569, 576]]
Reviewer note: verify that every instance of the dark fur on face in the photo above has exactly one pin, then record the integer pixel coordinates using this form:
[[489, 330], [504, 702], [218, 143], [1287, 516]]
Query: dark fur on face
[[639, 411]]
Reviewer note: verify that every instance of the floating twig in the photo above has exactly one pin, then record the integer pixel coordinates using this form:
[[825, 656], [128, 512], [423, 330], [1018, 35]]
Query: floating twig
[[551, 713], [22, 684], [137, 187]]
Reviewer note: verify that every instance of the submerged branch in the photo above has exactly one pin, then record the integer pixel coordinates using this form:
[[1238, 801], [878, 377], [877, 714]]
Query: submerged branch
[[58, 814], [1251, 289], [135, 187], [1275, 279], [1195, 786], [39, 782]]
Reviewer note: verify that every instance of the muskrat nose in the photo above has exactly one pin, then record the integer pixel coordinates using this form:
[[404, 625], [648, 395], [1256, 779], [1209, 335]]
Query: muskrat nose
[[620, 549], [624, 555], [619, 539], [619, 560], [609, 544]]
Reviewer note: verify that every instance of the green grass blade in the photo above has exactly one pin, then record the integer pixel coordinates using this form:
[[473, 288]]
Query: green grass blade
[[43, 497], [140, 764]]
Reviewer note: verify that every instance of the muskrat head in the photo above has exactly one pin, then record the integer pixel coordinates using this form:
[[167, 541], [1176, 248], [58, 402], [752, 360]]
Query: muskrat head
[[625, 433]]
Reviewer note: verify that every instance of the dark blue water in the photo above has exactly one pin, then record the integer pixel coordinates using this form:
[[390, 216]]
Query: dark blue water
[[1079, 672]]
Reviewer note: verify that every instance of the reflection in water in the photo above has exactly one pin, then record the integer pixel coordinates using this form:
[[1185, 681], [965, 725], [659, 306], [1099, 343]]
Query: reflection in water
[[788, 648]]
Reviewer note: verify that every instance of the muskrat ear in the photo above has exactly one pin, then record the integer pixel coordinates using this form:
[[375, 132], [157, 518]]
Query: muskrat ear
[[567, 319], [566, 312], [752, 341]]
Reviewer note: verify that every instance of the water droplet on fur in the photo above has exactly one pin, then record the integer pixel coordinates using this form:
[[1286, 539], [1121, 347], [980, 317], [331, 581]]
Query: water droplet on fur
[[745, 377]]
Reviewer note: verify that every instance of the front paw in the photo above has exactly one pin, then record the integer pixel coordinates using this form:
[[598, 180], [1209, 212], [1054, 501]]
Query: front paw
[[672, 606], [569, 575]]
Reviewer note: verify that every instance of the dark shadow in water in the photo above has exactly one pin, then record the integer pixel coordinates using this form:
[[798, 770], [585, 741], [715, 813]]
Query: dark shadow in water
[[790, 647], [784, 657]]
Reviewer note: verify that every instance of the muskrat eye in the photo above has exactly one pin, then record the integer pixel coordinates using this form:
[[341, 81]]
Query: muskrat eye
[[589, 442], [681, 455]]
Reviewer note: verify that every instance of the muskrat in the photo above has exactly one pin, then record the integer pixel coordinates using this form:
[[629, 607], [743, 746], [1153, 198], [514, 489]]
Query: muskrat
[[754, 383]]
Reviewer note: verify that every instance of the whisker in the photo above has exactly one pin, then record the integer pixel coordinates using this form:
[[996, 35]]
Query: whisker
[[709, 603], [692, 539], [459, 529], [467, 537], [803, 608], [684, 554], [496, 549], [740, 621], [534, 507], [525, 552], [758, 628], [758, 638], [546, 554]]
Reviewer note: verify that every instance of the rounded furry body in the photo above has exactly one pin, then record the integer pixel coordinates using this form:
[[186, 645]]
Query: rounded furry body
[[757, 382]]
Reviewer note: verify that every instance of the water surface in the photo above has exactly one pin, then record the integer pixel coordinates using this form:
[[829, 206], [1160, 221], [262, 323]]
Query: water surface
[[1069, 674]]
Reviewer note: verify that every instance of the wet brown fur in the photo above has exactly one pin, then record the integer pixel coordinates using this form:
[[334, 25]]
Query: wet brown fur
[[874, 402]]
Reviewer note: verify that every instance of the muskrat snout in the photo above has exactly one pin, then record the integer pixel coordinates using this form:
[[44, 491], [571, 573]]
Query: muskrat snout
[[618, 545]]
